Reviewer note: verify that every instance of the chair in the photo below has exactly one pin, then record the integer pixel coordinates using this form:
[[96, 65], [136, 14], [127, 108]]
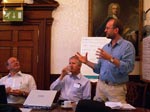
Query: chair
[[136, 93], [93, 89], [91, 106], [9, 108]]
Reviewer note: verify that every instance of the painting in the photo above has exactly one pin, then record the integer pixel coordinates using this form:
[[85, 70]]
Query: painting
[[128, 11]]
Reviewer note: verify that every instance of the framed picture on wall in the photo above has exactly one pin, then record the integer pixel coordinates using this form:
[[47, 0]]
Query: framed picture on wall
[[130, 12]]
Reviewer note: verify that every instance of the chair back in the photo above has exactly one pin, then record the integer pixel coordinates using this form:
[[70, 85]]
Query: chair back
[[136, 93], [91, 106]]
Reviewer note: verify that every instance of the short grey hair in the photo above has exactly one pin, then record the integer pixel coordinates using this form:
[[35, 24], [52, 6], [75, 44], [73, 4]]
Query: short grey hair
[[75, 57]]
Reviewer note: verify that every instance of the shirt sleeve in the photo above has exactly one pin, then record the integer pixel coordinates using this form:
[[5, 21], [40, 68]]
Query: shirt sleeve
[[97, 67], [32, 84], [3, 81], [127, 61], [56, 85]]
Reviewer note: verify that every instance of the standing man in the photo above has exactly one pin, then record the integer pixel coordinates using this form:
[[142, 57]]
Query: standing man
[[116, 61], [72, 84], [18, 84]]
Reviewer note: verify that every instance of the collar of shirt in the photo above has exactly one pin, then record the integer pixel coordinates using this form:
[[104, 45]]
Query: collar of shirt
[[76, 76], [118, 42], [17, 74]]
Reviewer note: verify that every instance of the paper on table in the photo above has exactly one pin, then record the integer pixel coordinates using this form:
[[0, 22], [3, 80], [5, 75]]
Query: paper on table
[[127, 107], [113, 105], [25, 109], [119, 105]]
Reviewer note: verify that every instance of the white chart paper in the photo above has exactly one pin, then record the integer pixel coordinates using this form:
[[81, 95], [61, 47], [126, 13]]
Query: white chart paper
[[90, 45]]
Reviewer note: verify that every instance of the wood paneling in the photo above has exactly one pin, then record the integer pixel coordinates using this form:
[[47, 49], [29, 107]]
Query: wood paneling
[[29, 40]]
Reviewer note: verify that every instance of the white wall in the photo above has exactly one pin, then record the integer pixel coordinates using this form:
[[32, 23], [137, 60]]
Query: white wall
[[69, 26]]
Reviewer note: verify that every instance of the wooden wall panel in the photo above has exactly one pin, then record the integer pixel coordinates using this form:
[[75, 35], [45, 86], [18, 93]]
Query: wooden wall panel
[[30, 39]]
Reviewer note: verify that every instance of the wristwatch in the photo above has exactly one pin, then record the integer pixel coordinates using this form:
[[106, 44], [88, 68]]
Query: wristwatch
[[112, 60]]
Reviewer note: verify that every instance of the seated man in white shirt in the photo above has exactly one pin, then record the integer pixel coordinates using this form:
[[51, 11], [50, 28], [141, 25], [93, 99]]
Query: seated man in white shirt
[[72, 84], [17, 84]]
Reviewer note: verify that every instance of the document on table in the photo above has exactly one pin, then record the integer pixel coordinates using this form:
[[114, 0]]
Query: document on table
[[25, 109], [119, 105]]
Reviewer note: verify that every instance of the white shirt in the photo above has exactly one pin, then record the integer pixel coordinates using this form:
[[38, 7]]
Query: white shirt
[[22, 81]]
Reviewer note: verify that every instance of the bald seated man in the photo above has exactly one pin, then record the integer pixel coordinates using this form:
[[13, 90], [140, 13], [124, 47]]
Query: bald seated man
[[17, 84]]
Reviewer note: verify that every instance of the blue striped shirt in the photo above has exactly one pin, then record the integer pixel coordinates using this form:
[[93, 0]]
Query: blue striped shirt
[[124, 51]]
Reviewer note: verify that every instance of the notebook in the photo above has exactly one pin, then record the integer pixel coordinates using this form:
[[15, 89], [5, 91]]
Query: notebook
[[3, 96], [40, 99]]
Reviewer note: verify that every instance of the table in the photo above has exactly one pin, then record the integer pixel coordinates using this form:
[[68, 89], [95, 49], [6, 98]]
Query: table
[[59, 109], [135, 110], [71, 110]]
